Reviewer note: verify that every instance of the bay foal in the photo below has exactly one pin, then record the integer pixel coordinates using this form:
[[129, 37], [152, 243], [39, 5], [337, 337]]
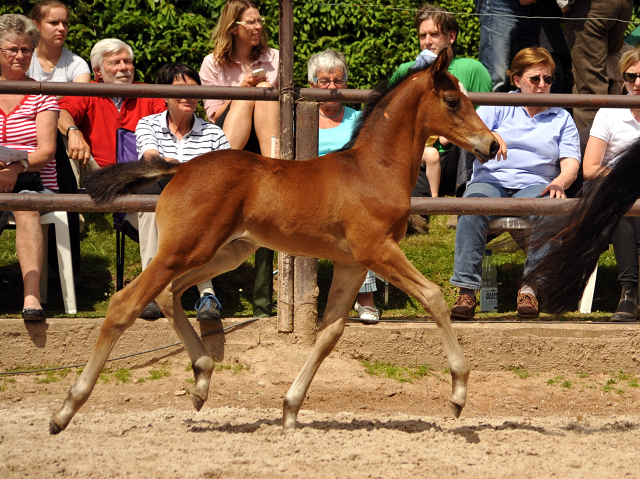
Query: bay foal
[[351, 207]]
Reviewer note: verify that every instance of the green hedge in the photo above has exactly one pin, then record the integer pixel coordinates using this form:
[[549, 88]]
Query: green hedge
[[375, 35]]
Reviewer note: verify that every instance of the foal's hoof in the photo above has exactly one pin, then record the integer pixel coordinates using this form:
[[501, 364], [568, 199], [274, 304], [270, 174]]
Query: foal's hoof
[[456, 409], [54, 428], [197, 401]]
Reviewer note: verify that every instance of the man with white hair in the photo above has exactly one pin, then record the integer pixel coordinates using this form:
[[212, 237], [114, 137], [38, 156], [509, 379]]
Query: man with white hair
[[90, 123]]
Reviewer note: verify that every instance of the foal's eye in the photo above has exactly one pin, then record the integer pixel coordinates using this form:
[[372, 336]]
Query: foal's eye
[[452, 103]]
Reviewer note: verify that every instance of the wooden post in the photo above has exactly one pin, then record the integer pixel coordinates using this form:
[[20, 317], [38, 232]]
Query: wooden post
[[305, 313], [285, 261]]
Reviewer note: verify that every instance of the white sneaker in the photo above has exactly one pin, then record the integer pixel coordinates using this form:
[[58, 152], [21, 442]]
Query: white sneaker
[[367, 314]]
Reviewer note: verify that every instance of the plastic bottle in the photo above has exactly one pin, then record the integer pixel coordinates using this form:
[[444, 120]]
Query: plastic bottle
[[489, 285]]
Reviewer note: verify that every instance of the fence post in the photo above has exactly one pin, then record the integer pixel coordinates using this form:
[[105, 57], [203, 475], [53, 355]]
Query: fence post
[[285, 261], [305, 312]]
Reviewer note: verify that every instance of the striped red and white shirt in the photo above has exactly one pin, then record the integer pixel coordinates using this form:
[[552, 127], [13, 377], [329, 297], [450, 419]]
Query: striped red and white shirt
[[18, 131]]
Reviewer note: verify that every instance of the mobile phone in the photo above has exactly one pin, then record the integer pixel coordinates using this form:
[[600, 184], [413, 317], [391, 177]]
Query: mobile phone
[[259, 73]]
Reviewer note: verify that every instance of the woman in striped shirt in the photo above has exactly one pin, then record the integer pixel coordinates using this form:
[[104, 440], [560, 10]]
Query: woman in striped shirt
[[27, 123], [178, 135]]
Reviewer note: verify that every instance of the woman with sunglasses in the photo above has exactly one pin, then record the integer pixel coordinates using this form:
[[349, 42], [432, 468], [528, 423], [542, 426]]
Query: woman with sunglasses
[[613, 129], [52, 61], [241, 57], [328, 70], [538, 157], [28, 124]]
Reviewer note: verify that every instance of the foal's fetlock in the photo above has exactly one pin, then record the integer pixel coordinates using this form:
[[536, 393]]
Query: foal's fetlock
[[458, 397], [202, 370]]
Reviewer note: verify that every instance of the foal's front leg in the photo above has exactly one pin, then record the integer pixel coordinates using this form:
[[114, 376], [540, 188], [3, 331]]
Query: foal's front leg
[[347, 280]]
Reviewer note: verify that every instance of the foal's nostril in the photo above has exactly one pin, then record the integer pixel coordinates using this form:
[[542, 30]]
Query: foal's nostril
[[493, 149]]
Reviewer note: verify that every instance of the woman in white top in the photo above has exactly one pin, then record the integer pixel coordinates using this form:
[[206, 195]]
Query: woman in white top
[[613, 129], [52, 61]]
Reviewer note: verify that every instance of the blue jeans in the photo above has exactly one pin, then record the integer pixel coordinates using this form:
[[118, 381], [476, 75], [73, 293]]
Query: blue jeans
[[502, 35], [471, 234]]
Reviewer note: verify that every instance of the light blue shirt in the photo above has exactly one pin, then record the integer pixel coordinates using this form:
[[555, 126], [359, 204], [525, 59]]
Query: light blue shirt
[[332, 139], [534, 146]]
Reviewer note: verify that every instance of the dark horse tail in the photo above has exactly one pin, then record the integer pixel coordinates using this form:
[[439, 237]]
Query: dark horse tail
[[580, 235], [107, 184]]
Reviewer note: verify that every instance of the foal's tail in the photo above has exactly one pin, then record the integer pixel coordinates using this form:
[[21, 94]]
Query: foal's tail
[[107, 184], [583, 233]]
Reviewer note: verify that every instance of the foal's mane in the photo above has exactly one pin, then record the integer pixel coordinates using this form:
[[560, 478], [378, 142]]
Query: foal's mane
[[381, 91]]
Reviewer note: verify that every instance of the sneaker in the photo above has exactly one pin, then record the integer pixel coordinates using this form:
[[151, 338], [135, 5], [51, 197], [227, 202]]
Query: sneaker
[[464, 307], [527, 305], [208, 308], [152, 312], [367, 314]]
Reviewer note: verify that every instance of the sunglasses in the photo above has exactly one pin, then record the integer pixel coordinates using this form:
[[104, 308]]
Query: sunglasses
[[548, 79], [630, 77]]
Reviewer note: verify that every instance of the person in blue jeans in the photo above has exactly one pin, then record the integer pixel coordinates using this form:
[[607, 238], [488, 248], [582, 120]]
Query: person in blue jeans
[[538, 157]]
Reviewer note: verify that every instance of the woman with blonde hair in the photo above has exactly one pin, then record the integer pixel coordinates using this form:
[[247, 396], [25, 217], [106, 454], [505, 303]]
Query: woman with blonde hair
[[241, 57], [52, 61], [614, 129]]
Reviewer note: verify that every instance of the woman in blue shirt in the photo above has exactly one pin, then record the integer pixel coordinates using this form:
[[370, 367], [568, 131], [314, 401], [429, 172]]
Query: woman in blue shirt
[[538, 157]]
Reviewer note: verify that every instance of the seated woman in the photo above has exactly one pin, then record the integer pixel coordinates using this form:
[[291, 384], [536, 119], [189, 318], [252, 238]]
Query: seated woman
[[328, 69], [28, 123], [538, 157], [613, 129], [241, 57], [52, 61], [178, 135]]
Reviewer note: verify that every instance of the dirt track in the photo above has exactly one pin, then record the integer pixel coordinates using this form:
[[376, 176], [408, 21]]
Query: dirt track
[[352, 425]]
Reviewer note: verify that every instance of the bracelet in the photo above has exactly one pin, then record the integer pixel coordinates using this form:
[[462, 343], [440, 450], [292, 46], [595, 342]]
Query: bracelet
[[72, 127], [24, 163]]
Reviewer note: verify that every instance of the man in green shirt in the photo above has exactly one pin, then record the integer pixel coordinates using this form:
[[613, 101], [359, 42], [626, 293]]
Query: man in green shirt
[[445, 170]]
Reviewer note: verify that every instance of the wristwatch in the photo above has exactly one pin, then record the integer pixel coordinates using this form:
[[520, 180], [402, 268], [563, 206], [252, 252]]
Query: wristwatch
[[72, 127]]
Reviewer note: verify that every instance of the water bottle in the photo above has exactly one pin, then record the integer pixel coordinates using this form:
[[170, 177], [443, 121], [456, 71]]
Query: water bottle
[[489, 285]]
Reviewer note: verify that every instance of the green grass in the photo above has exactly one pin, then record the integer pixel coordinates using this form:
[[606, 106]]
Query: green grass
[[555, 380], [520, 372], [403, 374], [155, 374], [234, 368], [431, 254]]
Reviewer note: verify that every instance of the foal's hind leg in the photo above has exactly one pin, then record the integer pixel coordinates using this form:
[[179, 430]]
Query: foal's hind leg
[[392, 264], [226, 259], [124, 308], [347, 280]]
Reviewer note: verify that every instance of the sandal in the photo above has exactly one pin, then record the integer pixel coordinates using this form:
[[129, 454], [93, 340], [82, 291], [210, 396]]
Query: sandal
[[33, 314]]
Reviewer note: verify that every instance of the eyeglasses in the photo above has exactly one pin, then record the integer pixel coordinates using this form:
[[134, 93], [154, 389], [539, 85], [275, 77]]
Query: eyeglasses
[[13, 52], [325, 82], [630, 77], [548, 79], [252, 23]]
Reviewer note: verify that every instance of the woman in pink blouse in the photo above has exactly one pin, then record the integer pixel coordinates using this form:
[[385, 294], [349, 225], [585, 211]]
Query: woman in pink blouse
[[28, 124], [240, 49]]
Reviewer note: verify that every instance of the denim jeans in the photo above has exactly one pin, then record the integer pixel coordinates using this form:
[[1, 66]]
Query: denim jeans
[[502, 35], [471, 234]]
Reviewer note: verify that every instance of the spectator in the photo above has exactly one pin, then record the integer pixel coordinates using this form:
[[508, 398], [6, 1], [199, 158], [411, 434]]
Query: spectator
[[28, 124], [51, 60], [594, 30], [508, 26], [614, 129], [441, 171], [328, 69], [178, 135], [241, 48], [90, 123], [543, 149]]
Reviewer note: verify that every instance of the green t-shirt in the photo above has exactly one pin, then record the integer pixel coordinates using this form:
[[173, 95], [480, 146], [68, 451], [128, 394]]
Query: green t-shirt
[[471, 73]]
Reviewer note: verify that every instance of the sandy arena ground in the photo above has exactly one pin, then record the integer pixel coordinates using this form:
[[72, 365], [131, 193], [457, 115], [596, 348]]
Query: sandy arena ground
[[551, 424]]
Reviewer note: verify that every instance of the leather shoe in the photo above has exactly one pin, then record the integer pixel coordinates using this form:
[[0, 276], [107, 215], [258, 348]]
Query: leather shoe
[[464, 307], [152, 312], [527, 305], [628, 310]]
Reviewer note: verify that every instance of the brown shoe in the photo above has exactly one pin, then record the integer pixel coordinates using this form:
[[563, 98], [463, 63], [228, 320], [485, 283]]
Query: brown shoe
[[464, 307], [527, 305], [417, 225]]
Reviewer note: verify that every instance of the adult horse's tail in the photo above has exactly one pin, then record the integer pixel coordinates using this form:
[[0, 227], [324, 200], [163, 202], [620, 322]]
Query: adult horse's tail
[[582, 234], [108, 183]]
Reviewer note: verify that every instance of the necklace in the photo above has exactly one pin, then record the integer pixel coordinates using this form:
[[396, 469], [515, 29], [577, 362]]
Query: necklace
[[333, 116]]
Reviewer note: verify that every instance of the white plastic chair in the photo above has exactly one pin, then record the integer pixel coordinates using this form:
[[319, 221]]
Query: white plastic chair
[[60, 221]]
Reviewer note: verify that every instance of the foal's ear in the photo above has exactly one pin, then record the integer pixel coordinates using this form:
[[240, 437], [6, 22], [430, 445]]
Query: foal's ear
[[441, 65]]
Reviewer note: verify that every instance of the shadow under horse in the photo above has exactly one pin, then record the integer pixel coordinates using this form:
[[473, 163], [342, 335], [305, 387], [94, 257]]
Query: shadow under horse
[[349, 206]]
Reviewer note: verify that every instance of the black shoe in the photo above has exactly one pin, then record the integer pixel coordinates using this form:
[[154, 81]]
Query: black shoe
[[628, 310], [33, 314], [208, 308], [151, 312]]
